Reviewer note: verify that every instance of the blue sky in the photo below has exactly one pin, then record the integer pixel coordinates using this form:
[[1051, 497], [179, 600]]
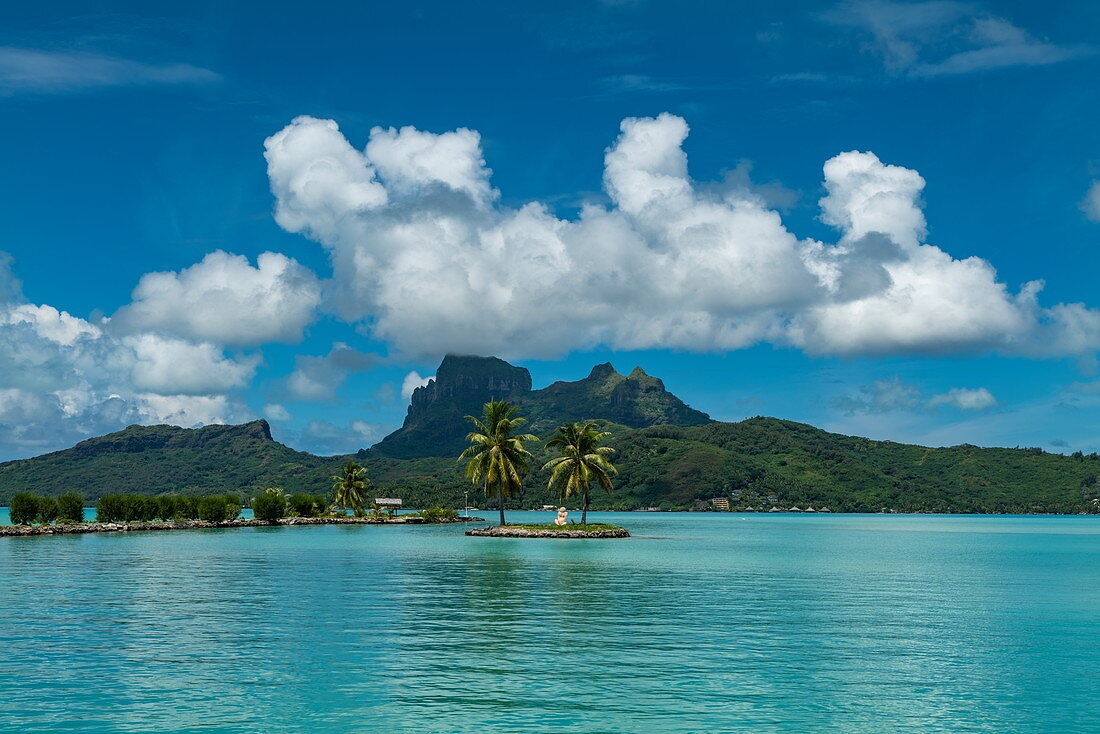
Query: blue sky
[[886, 295]]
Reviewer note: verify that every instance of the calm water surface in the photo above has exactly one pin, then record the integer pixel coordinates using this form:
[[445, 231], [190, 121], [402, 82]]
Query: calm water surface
[[701, 623]]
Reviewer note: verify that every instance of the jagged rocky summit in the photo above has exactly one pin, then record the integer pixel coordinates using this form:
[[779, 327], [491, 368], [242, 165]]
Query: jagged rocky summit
[[436, 422]]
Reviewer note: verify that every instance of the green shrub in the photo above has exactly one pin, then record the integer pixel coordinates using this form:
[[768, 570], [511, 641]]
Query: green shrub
[[187, 508], [270, 506], [134, 508], [23, 509], [70, 507], [305, 505], [233, 506], [125, 508], [213, 509], [47, 510], [109, 508], [140, 509], [166, 507], [438, 514]]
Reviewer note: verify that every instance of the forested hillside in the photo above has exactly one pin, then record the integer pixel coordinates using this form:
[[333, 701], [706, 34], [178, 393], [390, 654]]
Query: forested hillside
[[759, 463]]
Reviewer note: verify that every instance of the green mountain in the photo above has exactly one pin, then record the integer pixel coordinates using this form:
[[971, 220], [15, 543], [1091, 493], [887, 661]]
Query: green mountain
[[668, 454], [159, 459], [436, 422], [762, 462]]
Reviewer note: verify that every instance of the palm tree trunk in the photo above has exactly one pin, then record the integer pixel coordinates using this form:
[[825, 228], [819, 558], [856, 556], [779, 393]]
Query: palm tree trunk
[[584, 512], [500, 504]]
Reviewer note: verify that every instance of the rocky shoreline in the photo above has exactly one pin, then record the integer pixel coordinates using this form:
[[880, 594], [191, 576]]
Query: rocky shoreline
[[17, 531], [520, 532]]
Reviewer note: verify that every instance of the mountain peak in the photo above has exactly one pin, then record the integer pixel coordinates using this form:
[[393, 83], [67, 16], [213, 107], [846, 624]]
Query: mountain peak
[[602, 371], [459, 375], [436, 419], [261, 428], [436, 422]]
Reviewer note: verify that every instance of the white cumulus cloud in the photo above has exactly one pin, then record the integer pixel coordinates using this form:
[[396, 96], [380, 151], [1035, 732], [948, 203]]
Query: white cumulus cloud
[[172, 366], [224, 299], [189, 410], [966, 398], [412, 381], [928, 301]]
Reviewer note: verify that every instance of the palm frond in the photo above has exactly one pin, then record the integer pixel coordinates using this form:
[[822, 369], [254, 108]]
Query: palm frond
[[581, 459]]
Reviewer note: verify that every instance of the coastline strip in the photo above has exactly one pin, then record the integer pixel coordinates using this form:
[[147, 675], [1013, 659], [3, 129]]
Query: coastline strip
[[19, 531]]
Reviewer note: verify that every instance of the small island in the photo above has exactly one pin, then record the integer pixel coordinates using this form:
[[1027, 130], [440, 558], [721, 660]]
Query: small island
[[497, 461], [592, 530]]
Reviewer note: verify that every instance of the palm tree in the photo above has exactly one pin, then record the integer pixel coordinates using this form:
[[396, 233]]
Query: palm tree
[[351, 485], [582, 460], [496, 459]]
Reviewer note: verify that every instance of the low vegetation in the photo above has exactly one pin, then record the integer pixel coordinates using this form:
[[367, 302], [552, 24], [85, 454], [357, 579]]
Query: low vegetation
[[28, 509], [306, 505], [437, 514], [269, 505], [70, 508], [136, 508]]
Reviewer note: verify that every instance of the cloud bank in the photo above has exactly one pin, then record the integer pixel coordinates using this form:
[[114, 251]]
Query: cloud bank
[[426, 257]]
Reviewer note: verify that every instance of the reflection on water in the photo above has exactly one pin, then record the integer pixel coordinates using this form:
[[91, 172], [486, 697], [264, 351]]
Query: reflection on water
[[700, 623]]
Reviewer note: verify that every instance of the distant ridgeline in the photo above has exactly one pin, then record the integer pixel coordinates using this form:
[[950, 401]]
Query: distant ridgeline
[[669, 456]]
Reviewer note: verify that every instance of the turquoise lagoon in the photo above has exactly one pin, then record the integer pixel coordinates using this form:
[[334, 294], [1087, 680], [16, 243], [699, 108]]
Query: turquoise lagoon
[[700, 623]]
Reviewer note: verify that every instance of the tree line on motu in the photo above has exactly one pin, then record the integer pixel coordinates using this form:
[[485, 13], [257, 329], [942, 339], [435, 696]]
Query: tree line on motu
[[350, 488], [270, 505], [27, 508]]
